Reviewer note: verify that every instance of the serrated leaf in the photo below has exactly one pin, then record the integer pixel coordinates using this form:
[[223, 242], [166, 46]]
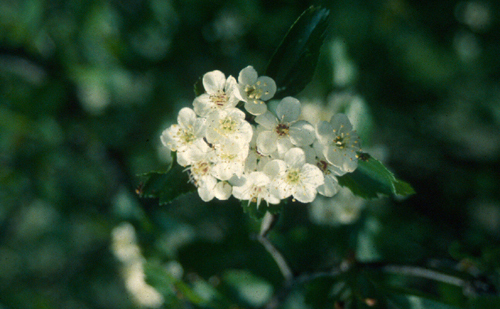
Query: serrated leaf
[[372, 178], [167, 186], [294, 61]]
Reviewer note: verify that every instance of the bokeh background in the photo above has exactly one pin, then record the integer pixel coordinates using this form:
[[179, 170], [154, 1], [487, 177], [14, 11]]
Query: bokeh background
[[87, 87]]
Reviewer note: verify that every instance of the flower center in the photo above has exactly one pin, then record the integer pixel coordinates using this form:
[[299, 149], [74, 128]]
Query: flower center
[[256, 190], [282, 129], [323, 166], [227, 125], [339, 141], [219, 99], [188, 136], [293, 176], [200, 168], [253, 92]]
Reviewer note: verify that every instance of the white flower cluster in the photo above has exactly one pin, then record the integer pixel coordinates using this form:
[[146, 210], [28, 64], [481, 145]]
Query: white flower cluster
[[276, 157]]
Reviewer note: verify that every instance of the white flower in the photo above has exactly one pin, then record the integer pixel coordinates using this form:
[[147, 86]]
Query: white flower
[[229, 129], [254, 90], [220, 94], [181, 137], [340, 142], [294, 176], [255, 188], [281, 133]]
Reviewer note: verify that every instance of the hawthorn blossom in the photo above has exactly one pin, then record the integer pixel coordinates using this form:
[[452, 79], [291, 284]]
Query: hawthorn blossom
[[280, 134], [294, 177], [254, 90], [220, 94], [340, 142], [181, 137]]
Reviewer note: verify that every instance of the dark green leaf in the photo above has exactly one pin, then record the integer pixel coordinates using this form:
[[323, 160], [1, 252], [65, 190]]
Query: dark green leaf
[[293, 63], [168, 185], [198, 87], [372, 178]]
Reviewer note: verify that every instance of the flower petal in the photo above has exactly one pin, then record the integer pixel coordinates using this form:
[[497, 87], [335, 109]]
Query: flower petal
[[312, 175], [222, 190], [341, 123], [288, 110], [305, 194], [267, 120], [302, 133], [255, 108], [202, 105], [295, 158], [284, 144], [330, 187], [266, 142], [274, 168], [186, 117], [247, 76], [214, 81], [268, 85], [324, 132]]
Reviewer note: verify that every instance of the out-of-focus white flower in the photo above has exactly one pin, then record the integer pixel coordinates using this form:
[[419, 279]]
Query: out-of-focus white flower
[[340, 142], [220, 94], [125, 248], [254, 90], [181, 137], [293, 176], [343, 208], [255, 188], [280, 134], [229, 129]]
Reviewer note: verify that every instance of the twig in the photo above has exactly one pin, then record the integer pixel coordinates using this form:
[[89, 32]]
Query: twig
[[267, 224]]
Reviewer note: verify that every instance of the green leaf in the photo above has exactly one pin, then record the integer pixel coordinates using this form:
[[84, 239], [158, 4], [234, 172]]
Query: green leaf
[[293, 63], [198, 87], [167, 186], [372, 178]]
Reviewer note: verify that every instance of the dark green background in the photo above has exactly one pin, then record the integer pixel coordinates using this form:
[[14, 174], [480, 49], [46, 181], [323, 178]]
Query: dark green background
[[86, 88]]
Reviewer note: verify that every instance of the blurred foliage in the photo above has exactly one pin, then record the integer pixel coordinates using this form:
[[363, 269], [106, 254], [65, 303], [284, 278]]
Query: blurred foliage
[[86, 87]]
